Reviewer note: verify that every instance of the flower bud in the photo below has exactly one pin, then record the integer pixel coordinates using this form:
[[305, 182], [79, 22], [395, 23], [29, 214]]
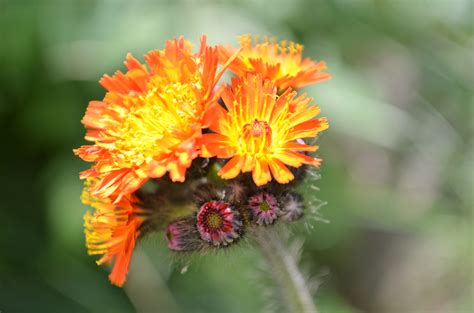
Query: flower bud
[[182, 235], [235, 192], [206, 191], [264, 208], [218, 223], [292, 207]]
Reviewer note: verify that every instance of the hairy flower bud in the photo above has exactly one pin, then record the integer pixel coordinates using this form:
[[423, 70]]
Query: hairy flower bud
[[182, 235], [235, 192], [264, 208], [218, 223], [292, 207], [206, 191]]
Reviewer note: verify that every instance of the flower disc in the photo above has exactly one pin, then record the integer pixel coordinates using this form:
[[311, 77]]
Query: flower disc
[[264, 207], [218, 223]]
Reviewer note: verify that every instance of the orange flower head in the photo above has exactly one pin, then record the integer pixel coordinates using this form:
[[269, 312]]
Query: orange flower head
[[150, 118], [112, 230], [259, 131], [280, 62]]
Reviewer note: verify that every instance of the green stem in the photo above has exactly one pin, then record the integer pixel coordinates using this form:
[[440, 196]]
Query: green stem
[[282, 265]]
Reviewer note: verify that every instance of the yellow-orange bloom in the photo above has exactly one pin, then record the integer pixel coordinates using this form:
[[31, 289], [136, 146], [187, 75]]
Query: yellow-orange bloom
[[281, 62], [112, 230], [149, 120], [259, 131]]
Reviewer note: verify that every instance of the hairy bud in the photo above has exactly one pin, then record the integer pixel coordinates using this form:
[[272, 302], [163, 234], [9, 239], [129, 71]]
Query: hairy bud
[[292, 207], [182, 235], [219, 223]]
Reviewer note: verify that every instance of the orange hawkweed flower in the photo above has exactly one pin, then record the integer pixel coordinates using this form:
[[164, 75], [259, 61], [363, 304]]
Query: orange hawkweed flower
[[112, 230], [259, 131], [149, 120], [281, 62]]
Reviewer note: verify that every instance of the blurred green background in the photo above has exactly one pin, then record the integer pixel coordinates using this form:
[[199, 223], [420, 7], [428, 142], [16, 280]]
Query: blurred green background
[[398, 158]]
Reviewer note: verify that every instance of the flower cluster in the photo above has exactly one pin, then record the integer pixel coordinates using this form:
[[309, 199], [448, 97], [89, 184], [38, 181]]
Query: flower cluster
[[171, 124]]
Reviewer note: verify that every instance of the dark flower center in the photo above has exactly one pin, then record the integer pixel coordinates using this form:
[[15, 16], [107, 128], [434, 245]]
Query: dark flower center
[[213, 220]]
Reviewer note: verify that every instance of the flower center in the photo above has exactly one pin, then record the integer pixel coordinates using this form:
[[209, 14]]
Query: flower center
[[157, 121], [214, 220], [256, 129], [259, 134], [218, 223], [264, 206]]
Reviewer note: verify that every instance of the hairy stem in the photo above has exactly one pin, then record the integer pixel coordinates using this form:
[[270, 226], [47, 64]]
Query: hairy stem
[[283, 267]]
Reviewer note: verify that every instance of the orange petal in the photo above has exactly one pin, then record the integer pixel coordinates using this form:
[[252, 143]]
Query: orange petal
[[249, 164], [90, 153], [214, 117], [281, 173], [156, 170], [308, 129], [215, 145], [303, 115], [210, 63], [88, 173], [123, 258], [109, 184], [232, 168], [93, 117], [289, 159], [281, 104], [132, 63], [296, 159], [177, 172], [296, 146], [261, 173], [129, 184]]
